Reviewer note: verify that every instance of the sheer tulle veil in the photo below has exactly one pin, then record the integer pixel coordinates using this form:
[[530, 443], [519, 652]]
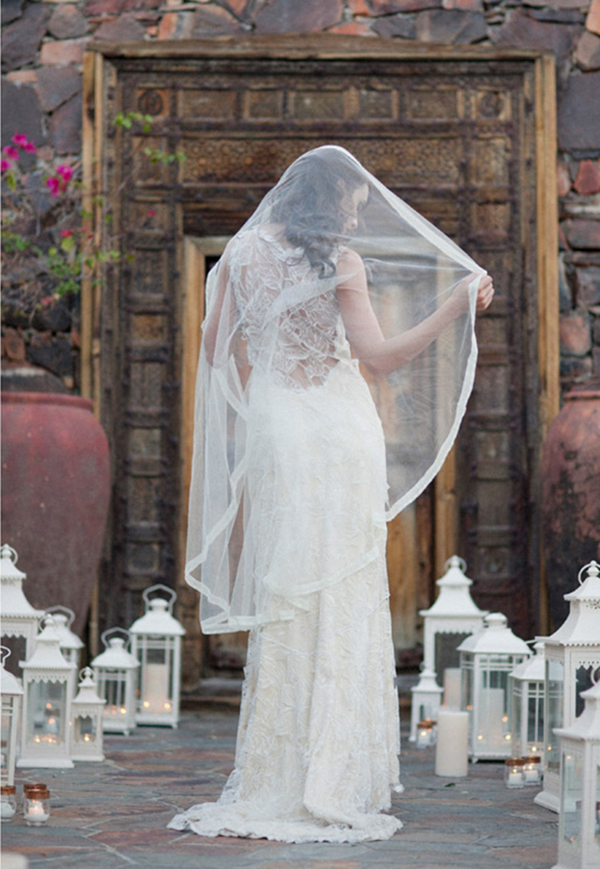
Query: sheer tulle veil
[[272, 340]]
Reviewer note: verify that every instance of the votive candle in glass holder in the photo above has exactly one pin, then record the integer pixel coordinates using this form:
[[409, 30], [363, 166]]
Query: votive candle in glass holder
[[532, 770], [8, 803], [514, 774], [36, 806], [426, 733]]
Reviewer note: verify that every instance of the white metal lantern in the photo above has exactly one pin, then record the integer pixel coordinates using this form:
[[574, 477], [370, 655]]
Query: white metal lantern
[[425, 702], [527, 708], [12, 692], [87, 713], [579, 826], [453, 617], [70, 644], [19, 618], [115, 674], [48, 694], [486, 659], [156, 643], [572, 654]]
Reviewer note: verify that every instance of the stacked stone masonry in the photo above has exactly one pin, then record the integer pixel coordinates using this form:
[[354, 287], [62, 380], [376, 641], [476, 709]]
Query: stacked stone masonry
[[43, 45]]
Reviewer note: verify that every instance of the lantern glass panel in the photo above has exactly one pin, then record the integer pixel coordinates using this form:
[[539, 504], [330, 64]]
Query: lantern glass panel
[[85, 729], [8, 723], [446, 654], [571, 797], [156, 673], [517, 713], [535, 718], [47, 702], [554, 711], [583, 681], [494, 727], [112, 686], [467, 681]]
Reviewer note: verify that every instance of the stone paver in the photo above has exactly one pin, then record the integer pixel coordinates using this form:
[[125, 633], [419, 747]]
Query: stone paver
[[114, 814]]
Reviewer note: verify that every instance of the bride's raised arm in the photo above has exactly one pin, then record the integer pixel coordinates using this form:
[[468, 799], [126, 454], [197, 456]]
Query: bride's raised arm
[[379, 355]]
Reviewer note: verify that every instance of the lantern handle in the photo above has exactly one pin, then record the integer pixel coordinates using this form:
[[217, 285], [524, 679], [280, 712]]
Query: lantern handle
[[4, 654], [461, 563], [593, 567], [172, 596], [7, 549], [58, 608], [85, 673], [106, 634]]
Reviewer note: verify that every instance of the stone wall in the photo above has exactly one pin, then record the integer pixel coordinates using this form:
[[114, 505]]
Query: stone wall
[[43, 44]]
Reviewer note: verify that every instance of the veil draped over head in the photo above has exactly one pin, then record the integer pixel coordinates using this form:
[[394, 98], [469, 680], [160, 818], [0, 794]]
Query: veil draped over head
[[269, 423]]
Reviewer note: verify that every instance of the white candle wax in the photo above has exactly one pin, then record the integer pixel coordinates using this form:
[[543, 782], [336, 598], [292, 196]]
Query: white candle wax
[[452, 687], [452, 752], [6, 810], [156, 688], [490, 718], [35, 813]]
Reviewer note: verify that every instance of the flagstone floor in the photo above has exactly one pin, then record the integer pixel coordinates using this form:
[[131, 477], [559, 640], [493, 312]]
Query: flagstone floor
[[114, 814]]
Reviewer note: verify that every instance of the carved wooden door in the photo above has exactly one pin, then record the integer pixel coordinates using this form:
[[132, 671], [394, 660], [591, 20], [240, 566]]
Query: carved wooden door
[[454, 135]]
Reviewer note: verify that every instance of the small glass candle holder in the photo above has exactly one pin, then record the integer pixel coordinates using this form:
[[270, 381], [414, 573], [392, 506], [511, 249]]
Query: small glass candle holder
[[426, 733], [514, 775], [36, 806], [8, 803], [532, 770]]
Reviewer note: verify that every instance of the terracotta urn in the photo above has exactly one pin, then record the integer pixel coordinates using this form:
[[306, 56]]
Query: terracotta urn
[[570, 494], [55, 495]]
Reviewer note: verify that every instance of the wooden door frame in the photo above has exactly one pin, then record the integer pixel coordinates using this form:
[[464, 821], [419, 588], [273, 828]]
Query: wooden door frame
[[325, 47]]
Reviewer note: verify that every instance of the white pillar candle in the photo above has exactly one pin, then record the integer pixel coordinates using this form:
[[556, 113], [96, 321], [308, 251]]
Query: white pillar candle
[[452, 752], [452, 687], [491, 712], [156, 688]]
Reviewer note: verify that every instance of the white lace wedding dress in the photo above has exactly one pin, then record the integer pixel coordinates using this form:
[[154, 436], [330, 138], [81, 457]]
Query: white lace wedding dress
[[318, 740]]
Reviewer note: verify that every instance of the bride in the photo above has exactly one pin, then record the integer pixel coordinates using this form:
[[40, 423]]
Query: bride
[[337, 359]]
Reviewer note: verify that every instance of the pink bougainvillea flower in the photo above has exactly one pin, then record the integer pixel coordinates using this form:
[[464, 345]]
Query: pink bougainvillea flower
[[66, 172], [66, 233], [47, 300], [10, 152], [151, 212], [5, 165], [54, 185], [20, 139]]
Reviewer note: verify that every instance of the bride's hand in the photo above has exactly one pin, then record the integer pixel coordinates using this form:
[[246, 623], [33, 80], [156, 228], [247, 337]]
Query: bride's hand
[[485, 294]]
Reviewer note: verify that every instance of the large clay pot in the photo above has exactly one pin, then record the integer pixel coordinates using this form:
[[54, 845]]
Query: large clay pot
[[55, 495], [570, 502]]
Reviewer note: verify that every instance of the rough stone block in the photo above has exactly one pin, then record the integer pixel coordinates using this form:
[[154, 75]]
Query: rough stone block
[[587, 181], [359, 7], [563, 178], [464, 5], [596, 330], [112, 8], [65, 127], [123, 29], [289, 16], [11, 10], [55, 85], [21, 40], [592, 22], [596, 360], [575, 334], [13, 346], [54, 318], [388, 7], [21, 113], [578, 126], [573, 370], [450, 26], [557, 16], [214, 22], [67, 22], [52, 352], [588, 286], [29, 378], [582, 234], [561, 4], [22, 76], [565, 299], [353, 28], [521, 31], [395, 25], [588, 51], [176, 25], [63, 52]]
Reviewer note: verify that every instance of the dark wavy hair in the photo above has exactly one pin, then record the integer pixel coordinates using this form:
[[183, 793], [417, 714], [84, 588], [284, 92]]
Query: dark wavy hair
[[309, 204]]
